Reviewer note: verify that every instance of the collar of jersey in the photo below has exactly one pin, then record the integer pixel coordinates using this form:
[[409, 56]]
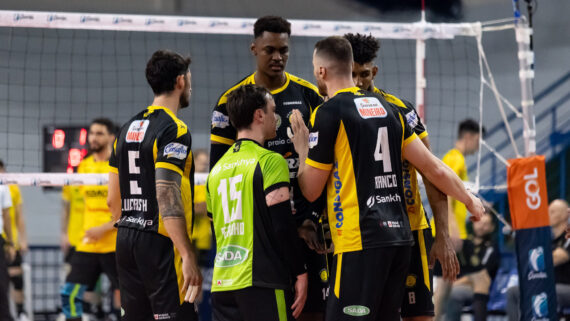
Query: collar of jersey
[[278, 90], [346, 90], [168, 111], [248, 140]]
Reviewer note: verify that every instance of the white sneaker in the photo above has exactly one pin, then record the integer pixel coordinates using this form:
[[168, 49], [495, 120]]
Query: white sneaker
[[23, 317]]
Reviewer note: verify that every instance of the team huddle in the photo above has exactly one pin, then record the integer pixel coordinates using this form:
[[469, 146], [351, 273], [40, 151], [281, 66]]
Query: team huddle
[[312, 193]]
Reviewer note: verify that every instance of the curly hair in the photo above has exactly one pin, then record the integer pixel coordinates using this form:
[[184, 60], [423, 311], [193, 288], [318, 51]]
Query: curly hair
[[364, 48], [273, 24]]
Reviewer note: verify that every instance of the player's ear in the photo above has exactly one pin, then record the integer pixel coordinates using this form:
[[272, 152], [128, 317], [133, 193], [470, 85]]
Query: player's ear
[[253, 49], [180, 81], [374, 71], [258, 115]]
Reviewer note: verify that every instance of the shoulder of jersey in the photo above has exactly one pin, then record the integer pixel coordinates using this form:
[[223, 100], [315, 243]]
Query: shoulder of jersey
[[224, 98], [391, 98], [304, 83]]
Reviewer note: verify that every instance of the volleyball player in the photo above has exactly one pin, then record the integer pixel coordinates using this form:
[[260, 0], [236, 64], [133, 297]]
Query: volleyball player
[[417, 303], [95, 253], [150, 194], [257, 260], [270, 48], [356, 143]]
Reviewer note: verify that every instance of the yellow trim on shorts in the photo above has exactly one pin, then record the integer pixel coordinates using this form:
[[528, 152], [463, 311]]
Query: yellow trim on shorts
[[222, 140], [179, 275], [423, 255], [315, 164], [169, 166], [337, 276]]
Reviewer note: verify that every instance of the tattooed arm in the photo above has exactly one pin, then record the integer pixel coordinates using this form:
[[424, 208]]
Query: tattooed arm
[[171, 209]]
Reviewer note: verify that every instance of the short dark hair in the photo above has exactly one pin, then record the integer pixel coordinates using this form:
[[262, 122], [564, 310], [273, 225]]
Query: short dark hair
[[469, 126], [1, 163], [163, 68], [243, 102], [111, 128], [336, 48], [364, 48], [273, 24]]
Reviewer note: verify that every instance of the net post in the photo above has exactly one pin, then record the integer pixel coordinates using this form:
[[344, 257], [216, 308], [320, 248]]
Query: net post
[[526, 76], [420, 73]]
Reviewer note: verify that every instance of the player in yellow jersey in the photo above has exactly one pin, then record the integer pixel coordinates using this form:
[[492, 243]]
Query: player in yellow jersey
[[355, 148], [95, 252], [20, 241], [467, 143], [71, 220], [7, 248], [417, 304]]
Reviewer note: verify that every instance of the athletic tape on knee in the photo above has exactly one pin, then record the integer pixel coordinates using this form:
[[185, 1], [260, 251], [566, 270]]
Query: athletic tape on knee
[[72, 299]]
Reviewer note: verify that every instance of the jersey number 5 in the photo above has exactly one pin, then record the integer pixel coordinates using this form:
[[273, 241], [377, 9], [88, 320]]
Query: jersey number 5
[[235, 195], [382, 151]]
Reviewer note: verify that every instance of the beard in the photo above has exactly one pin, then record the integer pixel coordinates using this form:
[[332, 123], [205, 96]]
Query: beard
[[184, 100], [322, 88], [96, 148]]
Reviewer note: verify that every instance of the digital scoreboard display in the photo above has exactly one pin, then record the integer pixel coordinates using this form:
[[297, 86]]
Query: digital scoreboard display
[[63, 148]]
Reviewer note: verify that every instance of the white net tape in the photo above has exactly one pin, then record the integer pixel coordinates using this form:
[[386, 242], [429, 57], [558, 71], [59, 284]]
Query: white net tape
[[62, 179]]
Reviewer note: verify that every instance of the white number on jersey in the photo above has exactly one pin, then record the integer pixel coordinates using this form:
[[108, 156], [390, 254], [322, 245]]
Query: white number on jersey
[[382, 151], [134, 169], [235, 195]]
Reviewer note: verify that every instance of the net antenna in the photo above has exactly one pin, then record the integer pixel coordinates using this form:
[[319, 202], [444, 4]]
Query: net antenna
[[420, 32]]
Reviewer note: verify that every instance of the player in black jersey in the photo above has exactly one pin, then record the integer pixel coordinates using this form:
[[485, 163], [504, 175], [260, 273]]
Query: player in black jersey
[[355, 147], [150, 194], [418, 303], [270, 48]]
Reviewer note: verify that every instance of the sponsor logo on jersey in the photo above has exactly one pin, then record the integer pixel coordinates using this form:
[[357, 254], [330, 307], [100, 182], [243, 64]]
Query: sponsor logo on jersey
[[236, 228], [540, 307], [277, 142], [386, 181], [295, 102], [313, 139], [137, 130], [536, 264], [408, 192], [137, 220], [277, 121], [163, 316], [176, 150], [412, 118], [231, 255], [356, 310], [377, 199], [324, 275], [370, 107], [220, 120], [135, 204], [337, 205], [392, 224]]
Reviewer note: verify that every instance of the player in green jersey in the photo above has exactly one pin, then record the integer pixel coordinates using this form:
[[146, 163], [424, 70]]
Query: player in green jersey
[[257, 259]]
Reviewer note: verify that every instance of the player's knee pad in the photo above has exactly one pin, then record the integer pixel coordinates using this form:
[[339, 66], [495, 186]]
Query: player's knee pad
[[72, 299], [18, 282]]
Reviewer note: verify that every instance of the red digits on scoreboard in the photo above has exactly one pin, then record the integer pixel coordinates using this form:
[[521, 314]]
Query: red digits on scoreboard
[[58, 138]]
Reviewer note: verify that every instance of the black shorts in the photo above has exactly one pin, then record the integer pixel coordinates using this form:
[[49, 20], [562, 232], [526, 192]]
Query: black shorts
[[69, 255], [150, 276], [86, 268], [368, 284], [318, 274], [419, 282], [252, 304], [17, 262]]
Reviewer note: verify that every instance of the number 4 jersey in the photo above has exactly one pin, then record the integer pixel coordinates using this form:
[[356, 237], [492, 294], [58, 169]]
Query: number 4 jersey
[[154, 138], [247, 252], [359, 137]]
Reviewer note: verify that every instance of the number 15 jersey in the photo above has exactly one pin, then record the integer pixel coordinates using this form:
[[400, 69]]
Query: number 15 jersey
[[359, 137]]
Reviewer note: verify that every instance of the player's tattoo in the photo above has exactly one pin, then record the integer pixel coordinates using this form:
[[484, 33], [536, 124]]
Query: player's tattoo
[[168, 194]]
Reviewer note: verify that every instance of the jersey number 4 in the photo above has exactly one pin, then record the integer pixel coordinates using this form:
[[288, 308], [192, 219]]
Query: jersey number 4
[[382, 151], [235, 195]]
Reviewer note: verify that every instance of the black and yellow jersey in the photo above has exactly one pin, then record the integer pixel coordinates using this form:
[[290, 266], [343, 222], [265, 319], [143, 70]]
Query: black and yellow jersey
[[359, 137], [296, 93], [414, 207], [154, 138]]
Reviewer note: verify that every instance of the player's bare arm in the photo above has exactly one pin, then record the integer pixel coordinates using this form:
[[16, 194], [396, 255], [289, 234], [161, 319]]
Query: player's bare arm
[[275, 197], [114, 196], [442, 176], [172, 211], [442, 248], [11, 252], [311, 180]]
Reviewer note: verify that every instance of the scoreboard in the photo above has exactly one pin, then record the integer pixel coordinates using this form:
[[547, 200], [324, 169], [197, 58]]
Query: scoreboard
[[64, 147]]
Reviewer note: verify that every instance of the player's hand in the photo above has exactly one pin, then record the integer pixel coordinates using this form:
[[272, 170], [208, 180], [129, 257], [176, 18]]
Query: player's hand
[[192, 279], [476, 208], [301, 286], [93, 234], [443, 251], [300, 132], [308, 232], [24, 246]]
